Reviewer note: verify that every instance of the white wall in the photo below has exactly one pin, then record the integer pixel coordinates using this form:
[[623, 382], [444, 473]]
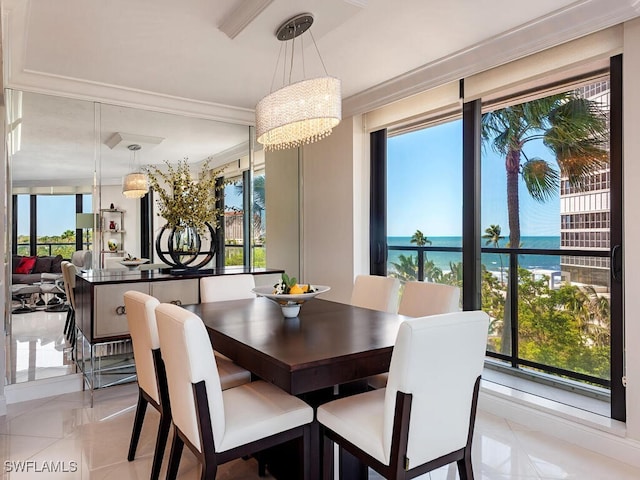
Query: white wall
[[334, 203], [282, 200]]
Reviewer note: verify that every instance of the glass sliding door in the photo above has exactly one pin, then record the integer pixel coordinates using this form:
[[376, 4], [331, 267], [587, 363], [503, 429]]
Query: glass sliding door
[[546, 217]]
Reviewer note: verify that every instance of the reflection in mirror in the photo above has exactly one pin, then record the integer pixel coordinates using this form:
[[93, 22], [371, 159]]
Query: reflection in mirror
[[162, 137], [68, 157], [52, 167]]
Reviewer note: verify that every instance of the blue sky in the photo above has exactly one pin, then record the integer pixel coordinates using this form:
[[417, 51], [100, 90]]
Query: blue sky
[[424, 179], [56, 213]]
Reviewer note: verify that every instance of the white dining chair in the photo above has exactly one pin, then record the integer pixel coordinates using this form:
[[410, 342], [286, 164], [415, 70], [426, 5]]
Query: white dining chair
[[216, 425], [424, 418], [420, 299], [226, 287], [150, 371], [218, 289], [376, 292]]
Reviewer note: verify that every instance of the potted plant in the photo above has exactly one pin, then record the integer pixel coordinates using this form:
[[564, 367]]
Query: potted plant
[[188, 205]]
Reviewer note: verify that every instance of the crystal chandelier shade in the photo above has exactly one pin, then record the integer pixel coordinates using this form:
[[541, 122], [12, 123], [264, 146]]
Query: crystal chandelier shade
[[298, 114], [302, 112]]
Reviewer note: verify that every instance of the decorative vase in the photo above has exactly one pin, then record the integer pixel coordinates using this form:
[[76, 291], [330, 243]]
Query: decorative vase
[[183, 247], [186, 241]]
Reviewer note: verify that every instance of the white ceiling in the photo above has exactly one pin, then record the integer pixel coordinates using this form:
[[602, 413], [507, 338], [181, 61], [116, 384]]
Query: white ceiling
[[173, 56]]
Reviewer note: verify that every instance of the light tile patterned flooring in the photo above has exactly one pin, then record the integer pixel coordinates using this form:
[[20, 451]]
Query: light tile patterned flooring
[[35, 347], [65, 429]]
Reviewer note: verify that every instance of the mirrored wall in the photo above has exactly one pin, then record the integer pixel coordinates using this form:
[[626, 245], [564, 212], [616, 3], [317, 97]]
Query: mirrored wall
[[67, 158]]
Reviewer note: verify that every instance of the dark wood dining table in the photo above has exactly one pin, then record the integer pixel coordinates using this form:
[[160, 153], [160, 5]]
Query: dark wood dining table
[[328, 344]]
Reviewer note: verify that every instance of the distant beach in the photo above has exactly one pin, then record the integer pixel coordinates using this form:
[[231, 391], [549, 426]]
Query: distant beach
[[492, 261]]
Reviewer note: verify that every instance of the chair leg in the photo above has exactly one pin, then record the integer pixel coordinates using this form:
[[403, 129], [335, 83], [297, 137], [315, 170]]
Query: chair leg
[[161, 443], [67, 322], [70, 327], [327, 459], [174, 456], [262, 466], [141, 409], [465, 469], [306, 452], [209, 470]]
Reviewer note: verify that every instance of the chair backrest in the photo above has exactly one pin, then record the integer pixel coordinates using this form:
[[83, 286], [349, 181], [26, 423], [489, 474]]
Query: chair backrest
[[420, 299], [376, 292], [188, 358], [226, 287], [69, 271], [141, 317], [81, 258], [437, 360]]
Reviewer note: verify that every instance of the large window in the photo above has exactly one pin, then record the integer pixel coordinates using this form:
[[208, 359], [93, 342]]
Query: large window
[[424, 203], [239, 232], [46, 224], [538, 224]]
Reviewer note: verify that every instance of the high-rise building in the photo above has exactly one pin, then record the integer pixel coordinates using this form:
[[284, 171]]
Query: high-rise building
[[585, 211]]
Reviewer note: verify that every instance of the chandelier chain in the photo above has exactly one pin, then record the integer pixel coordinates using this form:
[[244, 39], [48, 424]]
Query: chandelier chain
[[318, 51]]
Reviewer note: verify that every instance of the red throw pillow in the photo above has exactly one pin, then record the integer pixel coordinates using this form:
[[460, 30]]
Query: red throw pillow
[[26, 265]]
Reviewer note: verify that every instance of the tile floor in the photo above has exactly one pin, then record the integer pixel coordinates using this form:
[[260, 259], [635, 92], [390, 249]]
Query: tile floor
[[35, 347], [65, 429]]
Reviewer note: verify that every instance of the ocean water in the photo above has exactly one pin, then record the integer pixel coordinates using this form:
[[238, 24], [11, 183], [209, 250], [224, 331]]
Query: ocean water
[[492, 261]]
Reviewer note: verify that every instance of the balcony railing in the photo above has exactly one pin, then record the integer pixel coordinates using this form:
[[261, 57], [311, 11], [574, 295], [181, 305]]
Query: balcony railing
[[43, 249], [556, 314]]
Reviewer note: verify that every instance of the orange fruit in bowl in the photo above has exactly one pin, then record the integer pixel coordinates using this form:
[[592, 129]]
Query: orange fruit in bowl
[[296, 290], [305, 288]]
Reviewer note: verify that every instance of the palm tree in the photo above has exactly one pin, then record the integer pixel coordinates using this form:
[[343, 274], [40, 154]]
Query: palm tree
[[573, 128], [405, 269], [493, 234], [430, 270], [419, 239]]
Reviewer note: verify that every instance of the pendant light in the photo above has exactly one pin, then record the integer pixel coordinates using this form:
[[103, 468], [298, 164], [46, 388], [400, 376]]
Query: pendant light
[[135, 184], [302, 112]]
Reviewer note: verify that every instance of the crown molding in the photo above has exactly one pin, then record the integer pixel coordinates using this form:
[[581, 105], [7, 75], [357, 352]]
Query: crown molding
[[576, 20], [44, 83]]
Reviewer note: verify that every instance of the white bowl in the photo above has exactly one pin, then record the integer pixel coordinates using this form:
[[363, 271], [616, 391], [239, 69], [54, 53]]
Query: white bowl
[[290, 304], [134, 263]]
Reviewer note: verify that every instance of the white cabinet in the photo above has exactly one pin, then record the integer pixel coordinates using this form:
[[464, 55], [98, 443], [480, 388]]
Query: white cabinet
[[109, 316], [180, 292]]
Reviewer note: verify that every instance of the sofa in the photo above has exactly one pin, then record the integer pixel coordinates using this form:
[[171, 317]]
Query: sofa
[[29, 270]]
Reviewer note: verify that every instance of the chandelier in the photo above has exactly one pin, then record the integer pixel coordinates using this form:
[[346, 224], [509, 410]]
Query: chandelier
[[135, 184], [301, 112]]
